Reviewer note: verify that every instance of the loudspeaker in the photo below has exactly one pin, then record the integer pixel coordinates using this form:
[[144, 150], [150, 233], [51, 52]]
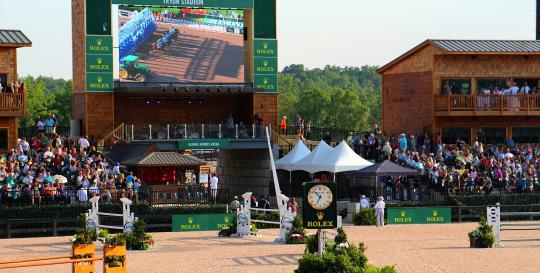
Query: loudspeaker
[[245, 33]]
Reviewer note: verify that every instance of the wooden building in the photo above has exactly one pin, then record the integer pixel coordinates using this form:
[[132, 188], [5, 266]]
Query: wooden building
[[415, 99], [12, 103]]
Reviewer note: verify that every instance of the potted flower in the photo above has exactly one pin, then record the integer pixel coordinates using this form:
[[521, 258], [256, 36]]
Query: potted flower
[[114, 253], [473, 237], [83, 247], [482, 237], [139, 239]]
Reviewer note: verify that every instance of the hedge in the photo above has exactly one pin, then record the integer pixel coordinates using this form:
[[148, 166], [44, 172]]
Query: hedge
[[52, 211]]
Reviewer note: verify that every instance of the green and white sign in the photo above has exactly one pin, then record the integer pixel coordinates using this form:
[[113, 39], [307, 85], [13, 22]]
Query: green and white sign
[[201, 222], [263, 65], [267, 82], [319, 205], [265, 48], [233, 4], [99, 81], [202, 144], [99, 63], [419, 215], [98, 44]]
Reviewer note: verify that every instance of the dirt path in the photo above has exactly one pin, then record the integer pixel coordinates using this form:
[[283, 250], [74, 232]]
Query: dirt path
[[412, 248]]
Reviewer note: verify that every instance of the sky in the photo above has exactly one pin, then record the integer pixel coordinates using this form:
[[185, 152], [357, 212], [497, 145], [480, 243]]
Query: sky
[[315, 33]]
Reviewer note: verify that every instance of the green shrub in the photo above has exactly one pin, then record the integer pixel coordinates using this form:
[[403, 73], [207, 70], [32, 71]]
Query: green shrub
[[341, 236], [366, 217], [340, 257], [231, 229], [483, 234], [139, 239], [297, 233], [312, 244], [266, 216], [52, 211]]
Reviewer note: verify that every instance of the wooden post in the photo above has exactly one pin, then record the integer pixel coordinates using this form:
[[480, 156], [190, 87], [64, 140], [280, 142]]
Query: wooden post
[[459, 214], [8, 229], [55, 226]]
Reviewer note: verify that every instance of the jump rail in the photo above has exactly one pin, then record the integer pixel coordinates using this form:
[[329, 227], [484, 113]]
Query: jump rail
[[494, 219]]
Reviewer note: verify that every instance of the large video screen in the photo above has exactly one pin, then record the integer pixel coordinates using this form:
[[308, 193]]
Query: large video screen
[[180, 45]]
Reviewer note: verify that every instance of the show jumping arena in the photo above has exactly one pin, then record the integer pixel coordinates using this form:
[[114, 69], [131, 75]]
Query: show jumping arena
[[412, 248]]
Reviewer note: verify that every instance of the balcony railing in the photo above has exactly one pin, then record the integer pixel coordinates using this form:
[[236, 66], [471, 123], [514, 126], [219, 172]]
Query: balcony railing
[[485, 105], [173, 131], [12, 104]]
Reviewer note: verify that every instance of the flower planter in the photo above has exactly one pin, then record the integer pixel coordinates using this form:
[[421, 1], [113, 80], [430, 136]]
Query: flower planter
[[85, 251], [114, 251], [473, 243]]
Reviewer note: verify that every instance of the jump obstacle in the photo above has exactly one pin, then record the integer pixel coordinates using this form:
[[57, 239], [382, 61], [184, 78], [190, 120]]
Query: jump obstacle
[[128, 218], [244, 220], [494, 219]]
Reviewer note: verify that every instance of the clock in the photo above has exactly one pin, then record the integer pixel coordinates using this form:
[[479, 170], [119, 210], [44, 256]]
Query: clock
[[320, 197]]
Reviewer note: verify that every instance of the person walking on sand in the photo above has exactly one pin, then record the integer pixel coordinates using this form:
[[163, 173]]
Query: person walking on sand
[[379, 211]]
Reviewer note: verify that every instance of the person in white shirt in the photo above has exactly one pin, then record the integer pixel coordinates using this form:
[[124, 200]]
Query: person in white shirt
[[379, 211], [214, 186], [525, 89], [364, 202], [24, 146], [83, 143], [82, 194]]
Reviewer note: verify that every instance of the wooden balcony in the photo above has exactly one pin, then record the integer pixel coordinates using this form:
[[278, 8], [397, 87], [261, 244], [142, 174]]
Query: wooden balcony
[[12, 105], [487, 105]]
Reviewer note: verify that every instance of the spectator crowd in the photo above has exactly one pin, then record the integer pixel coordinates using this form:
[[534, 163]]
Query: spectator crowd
[[54, 169]]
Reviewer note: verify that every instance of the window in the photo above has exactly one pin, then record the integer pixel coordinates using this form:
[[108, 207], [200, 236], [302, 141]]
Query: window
[[458, 86], [490, 84], [491, 135], [450, 135], [526, 134], [3, 139]]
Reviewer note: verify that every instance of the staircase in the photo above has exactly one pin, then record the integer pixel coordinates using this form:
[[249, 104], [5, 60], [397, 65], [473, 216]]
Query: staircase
[[117, 135]]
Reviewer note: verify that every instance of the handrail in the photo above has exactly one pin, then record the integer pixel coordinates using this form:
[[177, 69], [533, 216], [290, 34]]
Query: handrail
[[12, 102], [482, 103]]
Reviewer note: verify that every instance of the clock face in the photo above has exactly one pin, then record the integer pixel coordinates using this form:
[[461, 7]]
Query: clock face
[[320, 197]]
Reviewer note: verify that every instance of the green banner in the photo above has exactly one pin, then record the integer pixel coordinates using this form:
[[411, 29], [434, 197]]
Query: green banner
[[265, 48], [265, 65], [202, 144], [267, 82], [99, 82], [98, 44], [99, 63], [319, 205], [232, 4], [200, 222], [419, 216]]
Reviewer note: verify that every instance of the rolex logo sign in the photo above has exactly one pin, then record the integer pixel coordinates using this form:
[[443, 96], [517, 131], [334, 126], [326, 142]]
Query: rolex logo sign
[[435, 218], [190, 220], [402, 213], [99, 79], [99, 63], [226, 219], [435, 212], [403, 218], [320, 215], [265, 48], [99, 42], [266, 66]]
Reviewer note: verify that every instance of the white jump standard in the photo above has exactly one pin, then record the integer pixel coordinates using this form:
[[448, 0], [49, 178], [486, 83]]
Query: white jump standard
[[128, 218]]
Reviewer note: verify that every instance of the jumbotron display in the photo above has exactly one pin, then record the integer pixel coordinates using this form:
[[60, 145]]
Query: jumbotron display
[[180, 45]]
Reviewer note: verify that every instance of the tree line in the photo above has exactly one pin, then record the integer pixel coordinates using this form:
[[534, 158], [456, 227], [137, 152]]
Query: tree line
[[332, 97]]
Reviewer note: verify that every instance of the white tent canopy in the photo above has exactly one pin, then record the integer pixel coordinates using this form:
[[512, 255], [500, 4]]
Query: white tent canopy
[[334, 160], [298, 152], [343, 159], [314, 161]]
